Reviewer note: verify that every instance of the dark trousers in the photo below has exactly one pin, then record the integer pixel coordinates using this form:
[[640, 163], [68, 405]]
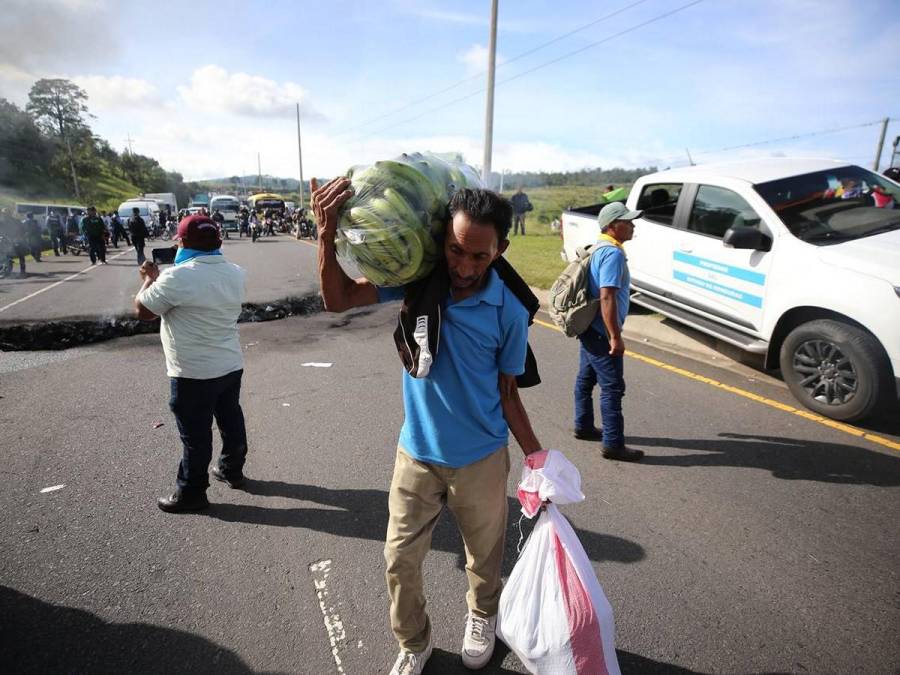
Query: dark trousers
[[58, 241], [139, 247], [519, 221], [195, 403], [97, 248], [598, 367]]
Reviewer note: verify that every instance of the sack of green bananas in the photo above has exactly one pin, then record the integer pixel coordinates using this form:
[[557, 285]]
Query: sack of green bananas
[[391, 227]]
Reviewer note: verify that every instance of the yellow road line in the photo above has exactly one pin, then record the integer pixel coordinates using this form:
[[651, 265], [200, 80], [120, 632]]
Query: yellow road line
[[806, 414]]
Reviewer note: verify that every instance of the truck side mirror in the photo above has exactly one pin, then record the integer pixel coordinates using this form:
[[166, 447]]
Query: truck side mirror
[[747, 237]]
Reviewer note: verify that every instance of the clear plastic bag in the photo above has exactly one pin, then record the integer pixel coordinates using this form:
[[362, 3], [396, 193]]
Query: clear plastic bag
[[391, 228]]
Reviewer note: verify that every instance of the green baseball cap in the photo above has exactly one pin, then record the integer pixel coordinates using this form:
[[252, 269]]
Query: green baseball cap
[[613, 212]]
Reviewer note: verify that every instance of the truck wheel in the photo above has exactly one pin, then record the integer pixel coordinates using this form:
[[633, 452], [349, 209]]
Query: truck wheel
[[835, 369]]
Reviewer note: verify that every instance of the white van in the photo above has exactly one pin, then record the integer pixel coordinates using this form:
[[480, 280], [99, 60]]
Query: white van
[[148, 209], [794, 259]]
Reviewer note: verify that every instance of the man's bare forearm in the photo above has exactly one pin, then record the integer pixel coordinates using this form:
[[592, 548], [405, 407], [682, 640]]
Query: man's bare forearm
[[333, 281], [517, 417], [609, 312], [143, 313]]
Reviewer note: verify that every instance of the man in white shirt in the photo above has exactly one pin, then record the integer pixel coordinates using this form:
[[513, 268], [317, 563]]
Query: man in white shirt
[[199, 300]]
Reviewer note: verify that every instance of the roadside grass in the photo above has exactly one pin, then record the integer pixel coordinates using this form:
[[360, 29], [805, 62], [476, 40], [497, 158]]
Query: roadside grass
[[536, 256]]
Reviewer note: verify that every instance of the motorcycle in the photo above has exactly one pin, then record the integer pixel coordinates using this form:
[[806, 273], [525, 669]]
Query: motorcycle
[[308, 229]]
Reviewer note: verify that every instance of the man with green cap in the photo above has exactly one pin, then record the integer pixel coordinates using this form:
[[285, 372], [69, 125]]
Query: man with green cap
[[602, 348]]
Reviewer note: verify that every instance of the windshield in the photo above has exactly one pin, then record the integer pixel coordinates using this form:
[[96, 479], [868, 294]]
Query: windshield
[[269, 204], [224, 204], [836, 205], [126, 211]]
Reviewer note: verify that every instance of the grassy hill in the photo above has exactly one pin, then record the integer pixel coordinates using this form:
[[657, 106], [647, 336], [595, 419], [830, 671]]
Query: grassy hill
[[106, 191]]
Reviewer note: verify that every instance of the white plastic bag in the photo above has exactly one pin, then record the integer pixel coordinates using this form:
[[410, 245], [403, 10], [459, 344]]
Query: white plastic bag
[[553, 613]]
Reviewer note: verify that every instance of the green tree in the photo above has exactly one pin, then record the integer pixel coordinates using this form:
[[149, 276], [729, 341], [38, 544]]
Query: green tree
[[25, 154], [59, 108]]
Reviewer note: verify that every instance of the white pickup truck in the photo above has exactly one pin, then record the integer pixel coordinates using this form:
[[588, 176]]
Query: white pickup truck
[[794, 259]]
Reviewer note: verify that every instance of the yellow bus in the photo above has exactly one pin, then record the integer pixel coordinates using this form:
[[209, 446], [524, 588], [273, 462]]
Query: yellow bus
[[266, 200]]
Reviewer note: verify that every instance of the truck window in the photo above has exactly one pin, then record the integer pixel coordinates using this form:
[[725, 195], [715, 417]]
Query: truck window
[[658, 202], [717, 209]]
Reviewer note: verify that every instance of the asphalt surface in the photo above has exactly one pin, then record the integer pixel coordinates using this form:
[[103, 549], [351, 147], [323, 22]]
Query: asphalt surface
[[749, 539], [68, 287]]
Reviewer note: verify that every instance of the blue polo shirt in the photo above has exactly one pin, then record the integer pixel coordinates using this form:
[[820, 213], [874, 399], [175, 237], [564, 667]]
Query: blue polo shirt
[[609, 269], [453, 416]]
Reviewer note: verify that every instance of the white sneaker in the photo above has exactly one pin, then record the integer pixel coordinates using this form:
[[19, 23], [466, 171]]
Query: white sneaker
[[412, 663], [478, 642]]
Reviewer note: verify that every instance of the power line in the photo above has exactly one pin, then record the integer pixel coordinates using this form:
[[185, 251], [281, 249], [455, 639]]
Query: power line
[[795, 137], [542, 65], [478, 76]]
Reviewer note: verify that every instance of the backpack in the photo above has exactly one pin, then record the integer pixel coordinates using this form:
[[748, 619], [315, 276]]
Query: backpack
[[571, 306]]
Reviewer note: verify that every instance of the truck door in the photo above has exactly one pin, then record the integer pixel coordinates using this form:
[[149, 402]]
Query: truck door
[[655, 236], [727, 283]]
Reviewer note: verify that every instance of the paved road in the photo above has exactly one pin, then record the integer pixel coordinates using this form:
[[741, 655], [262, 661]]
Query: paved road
[[751, 539], [70, 287]]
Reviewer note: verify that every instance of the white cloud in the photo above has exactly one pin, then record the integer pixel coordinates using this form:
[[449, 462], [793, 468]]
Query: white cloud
[[118, 92], [214, 88], [475, 58]]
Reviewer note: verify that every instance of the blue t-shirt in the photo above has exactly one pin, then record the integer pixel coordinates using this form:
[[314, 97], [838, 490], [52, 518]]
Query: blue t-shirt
[[453, 416], [609, 269]]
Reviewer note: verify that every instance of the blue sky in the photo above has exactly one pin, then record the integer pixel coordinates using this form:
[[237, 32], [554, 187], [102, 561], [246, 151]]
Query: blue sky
[[203, 86]]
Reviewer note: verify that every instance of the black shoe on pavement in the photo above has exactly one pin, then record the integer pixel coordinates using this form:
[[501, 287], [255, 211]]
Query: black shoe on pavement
[[179, 502], [592, 434], [234, 482], [623, 454]]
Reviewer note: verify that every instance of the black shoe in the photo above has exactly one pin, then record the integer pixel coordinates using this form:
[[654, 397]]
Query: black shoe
[[623, 454], [592, 434], [180, 501], [234, 482]]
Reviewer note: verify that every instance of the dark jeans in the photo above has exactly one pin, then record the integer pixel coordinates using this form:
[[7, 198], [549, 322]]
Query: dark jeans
[[139, 247], [598, 367], [97, 248], [195, 403], [519, 220]]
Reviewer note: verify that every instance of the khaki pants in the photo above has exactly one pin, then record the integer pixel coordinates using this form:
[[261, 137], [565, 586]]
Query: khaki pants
[[476, 495]]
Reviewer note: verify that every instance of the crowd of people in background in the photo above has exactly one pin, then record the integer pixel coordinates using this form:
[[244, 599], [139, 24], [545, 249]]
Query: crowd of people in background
[[95, 231]]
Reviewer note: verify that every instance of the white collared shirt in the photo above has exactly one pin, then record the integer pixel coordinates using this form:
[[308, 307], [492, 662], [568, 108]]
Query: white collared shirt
[[199, 302]]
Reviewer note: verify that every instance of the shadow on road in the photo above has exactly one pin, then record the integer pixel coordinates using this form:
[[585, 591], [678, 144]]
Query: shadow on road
[[787, 458], [38, 637], [363, 514]]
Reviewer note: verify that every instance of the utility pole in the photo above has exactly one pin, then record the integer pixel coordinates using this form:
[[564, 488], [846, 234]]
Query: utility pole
[[884, 126], [300, 155], [259, 171], [489, 111], [501, 180], [690, 159], [300, 158], [129, 139]]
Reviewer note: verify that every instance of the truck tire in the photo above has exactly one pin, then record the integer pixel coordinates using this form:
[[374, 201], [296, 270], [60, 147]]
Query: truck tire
[[836, 369]]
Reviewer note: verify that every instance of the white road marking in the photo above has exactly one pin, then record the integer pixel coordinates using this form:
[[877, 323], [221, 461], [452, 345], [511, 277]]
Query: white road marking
[[316, 364], [53, 488], [61, 281], [337, 636]]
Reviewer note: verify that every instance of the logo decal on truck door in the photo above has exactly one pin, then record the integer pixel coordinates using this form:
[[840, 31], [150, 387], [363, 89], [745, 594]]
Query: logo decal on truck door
[[722, 279]]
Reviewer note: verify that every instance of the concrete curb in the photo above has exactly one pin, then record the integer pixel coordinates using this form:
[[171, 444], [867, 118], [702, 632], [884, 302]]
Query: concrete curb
[[661, 333]]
